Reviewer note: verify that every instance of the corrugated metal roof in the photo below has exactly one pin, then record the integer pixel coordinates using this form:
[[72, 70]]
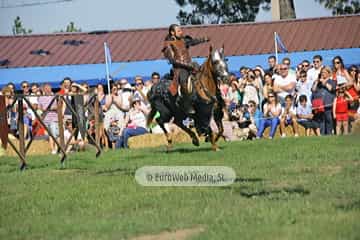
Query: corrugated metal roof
[[145, 44]]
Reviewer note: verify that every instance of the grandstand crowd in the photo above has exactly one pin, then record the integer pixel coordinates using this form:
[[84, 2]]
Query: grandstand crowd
[[323, 100]]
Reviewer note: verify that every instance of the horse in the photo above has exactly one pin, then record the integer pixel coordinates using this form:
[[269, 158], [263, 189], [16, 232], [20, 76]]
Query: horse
[[207, 101]]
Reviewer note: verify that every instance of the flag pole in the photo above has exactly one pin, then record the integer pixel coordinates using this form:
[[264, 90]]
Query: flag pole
[[107, 67], [276, 47]]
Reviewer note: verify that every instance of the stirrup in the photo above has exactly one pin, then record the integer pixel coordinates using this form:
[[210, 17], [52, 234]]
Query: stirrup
[[189, 85]]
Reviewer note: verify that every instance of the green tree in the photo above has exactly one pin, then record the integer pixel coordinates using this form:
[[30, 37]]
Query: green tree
[[18, 28], [341, 7], [219, 11], [71, 28]]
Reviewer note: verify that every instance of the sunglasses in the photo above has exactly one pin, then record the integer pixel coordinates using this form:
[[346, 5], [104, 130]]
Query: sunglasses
[[303, 76], [283, 68], [271, 96], [25, 86], [305, 65], [337, 62]]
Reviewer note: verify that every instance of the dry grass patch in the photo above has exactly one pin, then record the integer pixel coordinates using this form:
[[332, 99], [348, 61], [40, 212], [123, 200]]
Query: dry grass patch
[[180, 234]]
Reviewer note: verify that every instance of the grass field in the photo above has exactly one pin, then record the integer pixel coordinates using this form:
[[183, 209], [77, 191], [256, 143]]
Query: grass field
[[305, 188]]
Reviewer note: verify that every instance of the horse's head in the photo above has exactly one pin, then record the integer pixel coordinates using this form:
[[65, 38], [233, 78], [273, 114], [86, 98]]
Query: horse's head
[[220, 68]]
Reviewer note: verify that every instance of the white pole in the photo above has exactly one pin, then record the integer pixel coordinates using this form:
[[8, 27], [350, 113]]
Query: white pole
[[107, 67], [276, 47]]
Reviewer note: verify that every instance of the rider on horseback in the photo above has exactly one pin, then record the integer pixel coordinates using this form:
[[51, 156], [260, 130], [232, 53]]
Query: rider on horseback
[[176, 50]]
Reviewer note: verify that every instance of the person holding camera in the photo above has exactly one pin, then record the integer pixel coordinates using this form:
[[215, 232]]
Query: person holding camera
[[249, 88], [323, 94]]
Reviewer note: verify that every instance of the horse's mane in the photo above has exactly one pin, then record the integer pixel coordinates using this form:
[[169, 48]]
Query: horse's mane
[[207, 68]]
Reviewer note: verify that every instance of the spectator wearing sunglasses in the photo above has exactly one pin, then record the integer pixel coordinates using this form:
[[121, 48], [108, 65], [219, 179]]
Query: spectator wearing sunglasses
[[313, 73], [141, 91], [284, 83], [287, 62], [303, 86], [272, 111], [306, 65], [340, 75], [354, 91]]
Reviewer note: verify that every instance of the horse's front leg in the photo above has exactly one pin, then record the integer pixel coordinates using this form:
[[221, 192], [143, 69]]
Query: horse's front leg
[[213, 140], [218, 116], [220, 126], [194, 138], [168, 136]]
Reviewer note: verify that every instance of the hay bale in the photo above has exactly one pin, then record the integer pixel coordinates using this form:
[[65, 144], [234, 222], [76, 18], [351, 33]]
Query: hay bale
[[356, 127], [38, 147], [288, 131], [157, 140]]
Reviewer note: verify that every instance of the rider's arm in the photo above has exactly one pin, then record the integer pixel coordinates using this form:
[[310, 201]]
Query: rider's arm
[[194, 41]]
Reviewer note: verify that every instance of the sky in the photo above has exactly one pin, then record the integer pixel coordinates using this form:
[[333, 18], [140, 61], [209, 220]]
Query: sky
[[90, 15]]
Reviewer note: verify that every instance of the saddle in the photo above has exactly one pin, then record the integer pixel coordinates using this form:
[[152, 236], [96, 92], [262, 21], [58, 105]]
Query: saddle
[[175, 87]]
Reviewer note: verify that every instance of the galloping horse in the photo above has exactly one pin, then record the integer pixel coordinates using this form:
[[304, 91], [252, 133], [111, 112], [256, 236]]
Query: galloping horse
[[207, 101]]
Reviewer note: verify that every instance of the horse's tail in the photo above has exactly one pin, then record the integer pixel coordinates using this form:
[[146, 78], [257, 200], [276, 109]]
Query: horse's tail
[[150, 116]]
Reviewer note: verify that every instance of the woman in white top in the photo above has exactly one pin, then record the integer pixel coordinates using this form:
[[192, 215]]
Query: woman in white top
[[250, 88], [272, 111], [135, 122]]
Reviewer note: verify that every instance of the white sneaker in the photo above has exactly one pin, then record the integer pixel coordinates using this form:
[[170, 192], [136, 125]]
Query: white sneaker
[[296, 135], [283, 135], [53, 152]]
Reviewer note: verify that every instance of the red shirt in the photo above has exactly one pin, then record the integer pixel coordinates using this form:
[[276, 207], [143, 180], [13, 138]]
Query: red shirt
[[341, 105], [352, 91], [61, 92]]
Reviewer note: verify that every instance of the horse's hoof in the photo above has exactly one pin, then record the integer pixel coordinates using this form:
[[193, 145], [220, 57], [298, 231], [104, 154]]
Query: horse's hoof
[[168, 149], [215, 148], [196, 142], [23, 167]]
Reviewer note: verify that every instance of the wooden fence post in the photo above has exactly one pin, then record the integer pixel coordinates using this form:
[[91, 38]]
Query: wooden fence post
[[21, 126], [61, 121], [97, 124]]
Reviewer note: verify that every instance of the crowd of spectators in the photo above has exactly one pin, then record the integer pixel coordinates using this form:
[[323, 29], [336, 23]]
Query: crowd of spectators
[[323, 100]]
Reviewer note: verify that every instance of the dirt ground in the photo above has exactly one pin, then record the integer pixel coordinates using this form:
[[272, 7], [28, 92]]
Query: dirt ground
[[181, 234]]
